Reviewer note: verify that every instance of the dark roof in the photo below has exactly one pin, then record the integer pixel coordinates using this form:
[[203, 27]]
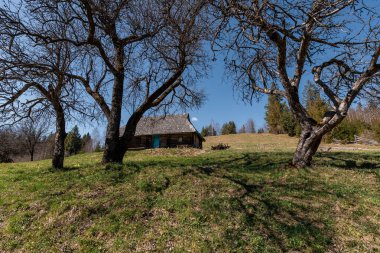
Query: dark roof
[[169, 124]]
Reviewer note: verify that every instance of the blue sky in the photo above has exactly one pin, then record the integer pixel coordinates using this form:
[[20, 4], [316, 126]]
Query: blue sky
[[222, 104]]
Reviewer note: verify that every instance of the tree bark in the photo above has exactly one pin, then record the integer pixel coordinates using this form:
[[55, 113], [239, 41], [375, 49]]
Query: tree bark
[[122, 143], [59, 141], [310, 138], [32, 155], [117, 149], [307, 147], [112, 143]]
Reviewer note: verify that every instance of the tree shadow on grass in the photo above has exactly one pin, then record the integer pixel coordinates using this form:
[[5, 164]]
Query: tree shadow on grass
[[64, 169], [297, 214], [280, 214], [292, 215], [277, 213], [349, 161]]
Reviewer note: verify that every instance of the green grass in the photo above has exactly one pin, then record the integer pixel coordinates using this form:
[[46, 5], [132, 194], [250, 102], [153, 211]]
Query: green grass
[[246, 199]]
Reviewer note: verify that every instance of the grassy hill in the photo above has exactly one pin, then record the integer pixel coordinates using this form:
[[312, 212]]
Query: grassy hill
[[245, 199]]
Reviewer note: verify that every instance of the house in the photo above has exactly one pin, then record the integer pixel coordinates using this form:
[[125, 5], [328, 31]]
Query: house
[[166, 132]]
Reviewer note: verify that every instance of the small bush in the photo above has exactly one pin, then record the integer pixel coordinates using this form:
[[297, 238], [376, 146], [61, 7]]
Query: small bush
[[346, 131], [261, 131], [220, 146]]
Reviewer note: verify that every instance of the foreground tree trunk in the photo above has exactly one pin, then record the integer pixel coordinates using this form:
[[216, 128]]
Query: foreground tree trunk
[[115, 151], [111, 147], [32, 156], [59, 141], [307, 146], [117, 147]]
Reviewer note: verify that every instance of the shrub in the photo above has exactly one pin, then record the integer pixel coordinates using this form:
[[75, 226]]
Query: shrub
[[220, 146], [261, 131], [347, 130]]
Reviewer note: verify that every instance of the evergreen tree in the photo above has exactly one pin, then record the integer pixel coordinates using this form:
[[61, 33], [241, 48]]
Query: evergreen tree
[[289, 124], [204, 131], [73, 142], [279, 118], [273, 114], [229, 128], [316, 106], [208, 131], [85, 138], [261, 130], [87, 143]]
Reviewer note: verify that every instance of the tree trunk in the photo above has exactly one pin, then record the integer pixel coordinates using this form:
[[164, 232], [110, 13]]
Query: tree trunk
[[59, 141], [123, 141], [112, 150], [32, 155], [118, 150], [307, 146]]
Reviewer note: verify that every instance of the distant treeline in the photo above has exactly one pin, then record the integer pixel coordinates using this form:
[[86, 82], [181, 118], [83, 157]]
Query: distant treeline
[[214, 129], [31, 140]]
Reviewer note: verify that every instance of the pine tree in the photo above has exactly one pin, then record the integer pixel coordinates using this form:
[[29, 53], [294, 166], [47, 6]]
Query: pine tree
[[87, 143], [261, 130], [204, 131], [273, 115], [289, 124], [73, 141], [229, 128], [316, 106]]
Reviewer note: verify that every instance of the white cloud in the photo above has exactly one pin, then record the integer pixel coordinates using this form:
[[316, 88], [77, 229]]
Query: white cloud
[[194, 119]]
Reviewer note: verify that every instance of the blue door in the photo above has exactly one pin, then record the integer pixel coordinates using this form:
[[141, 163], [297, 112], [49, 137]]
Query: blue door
[[156, 141]]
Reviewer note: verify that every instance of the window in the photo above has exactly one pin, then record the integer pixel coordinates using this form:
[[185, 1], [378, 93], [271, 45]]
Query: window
[[180, 139]]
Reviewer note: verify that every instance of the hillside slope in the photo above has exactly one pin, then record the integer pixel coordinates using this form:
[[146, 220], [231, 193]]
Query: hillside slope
[[245, 199]]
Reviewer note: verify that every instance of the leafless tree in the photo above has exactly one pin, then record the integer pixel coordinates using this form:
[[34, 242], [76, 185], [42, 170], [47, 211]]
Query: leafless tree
[[149, 52], [33, 80], [32, 132], [242, 130], [273, 44], [250, 126]]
